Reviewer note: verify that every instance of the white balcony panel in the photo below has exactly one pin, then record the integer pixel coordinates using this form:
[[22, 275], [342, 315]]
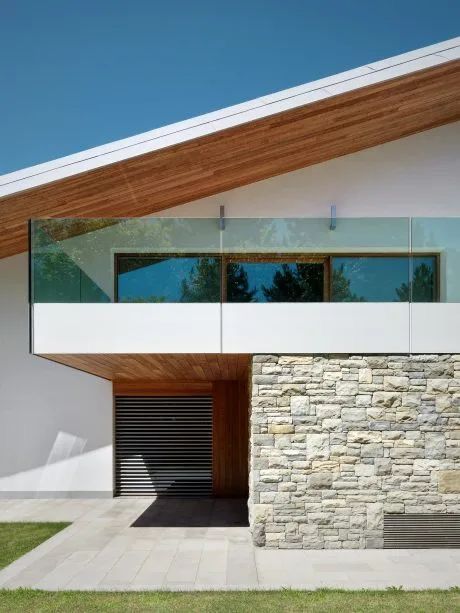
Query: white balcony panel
[[315, 328], [436, 327], [126, 328]]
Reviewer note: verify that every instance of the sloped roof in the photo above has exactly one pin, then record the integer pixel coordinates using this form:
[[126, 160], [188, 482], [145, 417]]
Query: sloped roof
[[217, 151]]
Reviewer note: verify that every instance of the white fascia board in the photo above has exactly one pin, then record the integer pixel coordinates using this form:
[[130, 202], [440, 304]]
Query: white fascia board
[[239, 114]]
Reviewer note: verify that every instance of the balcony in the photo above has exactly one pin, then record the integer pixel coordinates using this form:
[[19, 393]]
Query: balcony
[[167, 285]]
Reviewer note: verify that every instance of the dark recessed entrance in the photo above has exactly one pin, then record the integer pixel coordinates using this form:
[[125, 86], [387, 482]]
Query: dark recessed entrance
[[189, 443], [163, 445]]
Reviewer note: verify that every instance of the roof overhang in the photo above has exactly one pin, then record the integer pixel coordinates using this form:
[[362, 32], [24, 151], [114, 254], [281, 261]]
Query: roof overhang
[[363, 108]]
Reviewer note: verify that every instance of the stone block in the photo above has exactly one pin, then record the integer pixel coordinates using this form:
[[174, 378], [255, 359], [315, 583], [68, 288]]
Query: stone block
[[320, 480], [372, 450], [411, 400], [346, 388], [386, 399], [443, 403], [265, 358], [261, 513], [405, 416], [281, 429], [329, 425], [435, 445], [363, 400], [328, 411], [317, 447], [374, 543], [449, 481], [364, 436], [374, 516], [395, 384], [278, 462], [265, 379], [437, 385], [258, 535], [364, 470], [365, 375], [439, 370], [299, 405], [393, 508], [353, 414]]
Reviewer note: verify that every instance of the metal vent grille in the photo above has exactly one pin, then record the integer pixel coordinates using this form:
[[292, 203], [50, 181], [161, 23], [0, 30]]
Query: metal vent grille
[[417, 531], [163, 446]]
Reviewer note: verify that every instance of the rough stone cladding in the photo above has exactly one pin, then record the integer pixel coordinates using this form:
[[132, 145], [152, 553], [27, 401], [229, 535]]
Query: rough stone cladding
[[337, 441]]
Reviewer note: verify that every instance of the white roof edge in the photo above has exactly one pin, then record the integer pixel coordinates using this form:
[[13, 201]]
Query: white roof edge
[[238, 114]]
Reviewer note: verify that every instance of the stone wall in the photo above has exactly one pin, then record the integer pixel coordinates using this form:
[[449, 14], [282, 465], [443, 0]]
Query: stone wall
[[337, 441]]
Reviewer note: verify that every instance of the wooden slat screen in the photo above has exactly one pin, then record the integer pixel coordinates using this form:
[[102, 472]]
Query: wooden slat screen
[[163, 445]]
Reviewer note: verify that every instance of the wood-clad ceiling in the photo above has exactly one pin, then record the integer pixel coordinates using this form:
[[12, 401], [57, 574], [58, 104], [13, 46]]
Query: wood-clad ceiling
[[159, 367], [237, 156]]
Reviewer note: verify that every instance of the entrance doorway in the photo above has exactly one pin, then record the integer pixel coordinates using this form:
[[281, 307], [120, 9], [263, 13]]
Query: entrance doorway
[[182, 440]]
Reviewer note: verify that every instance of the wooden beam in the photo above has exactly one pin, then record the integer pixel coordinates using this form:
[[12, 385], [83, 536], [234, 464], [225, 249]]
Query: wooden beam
[[238, 156]]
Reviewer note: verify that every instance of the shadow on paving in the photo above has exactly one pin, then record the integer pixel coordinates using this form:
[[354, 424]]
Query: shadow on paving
[[194, 513]]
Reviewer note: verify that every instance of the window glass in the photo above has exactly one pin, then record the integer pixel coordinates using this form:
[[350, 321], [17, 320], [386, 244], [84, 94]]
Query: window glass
[[168, 279], [424, 279], [383, 279], [275, 282]]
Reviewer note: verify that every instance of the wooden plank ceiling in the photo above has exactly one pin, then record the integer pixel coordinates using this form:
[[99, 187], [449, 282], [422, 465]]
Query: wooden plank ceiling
[[159, 367], [257, 150]]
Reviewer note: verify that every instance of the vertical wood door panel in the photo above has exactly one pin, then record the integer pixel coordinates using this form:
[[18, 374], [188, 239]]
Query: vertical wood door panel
[[230, 439]]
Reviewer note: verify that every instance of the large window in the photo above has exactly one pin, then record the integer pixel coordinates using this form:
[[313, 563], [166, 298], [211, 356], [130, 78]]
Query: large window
[[338, 278], [168, 279], [384, 279]]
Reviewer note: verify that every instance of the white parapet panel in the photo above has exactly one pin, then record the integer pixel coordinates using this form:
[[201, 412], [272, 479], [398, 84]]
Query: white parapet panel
[[315, 328], [126, 328], [435, 327]]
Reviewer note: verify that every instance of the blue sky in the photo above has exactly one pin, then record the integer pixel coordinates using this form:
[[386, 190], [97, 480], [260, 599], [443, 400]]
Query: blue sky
[[80, 73]]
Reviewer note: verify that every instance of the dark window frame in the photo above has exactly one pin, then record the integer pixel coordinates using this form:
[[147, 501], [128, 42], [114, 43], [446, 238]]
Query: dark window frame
[[320, 258]]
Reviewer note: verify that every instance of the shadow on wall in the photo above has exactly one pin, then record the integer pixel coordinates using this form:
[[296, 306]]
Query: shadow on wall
[[55, 422], [67, 469]]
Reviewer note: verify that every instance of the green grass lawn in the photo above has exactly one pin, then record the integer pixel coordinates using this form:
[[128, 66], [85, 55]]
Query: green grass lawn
[[16, 539], [328, 601]]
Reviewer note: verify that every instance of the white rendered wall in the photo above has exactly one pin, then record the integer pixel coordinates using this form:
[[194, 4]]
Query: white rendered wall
[[127, 328], [55, 422], [315, 328], [435, 328], [244, 328]]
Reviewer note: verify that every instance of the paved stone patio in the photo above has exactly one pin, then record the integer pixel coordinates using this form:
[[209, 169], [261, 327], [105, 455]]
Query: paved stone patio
[[100, 551]]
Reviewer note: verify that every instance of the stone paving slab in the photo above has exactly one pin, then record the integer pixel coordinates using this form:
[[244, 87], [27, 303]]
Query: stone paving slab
[[100, 551]]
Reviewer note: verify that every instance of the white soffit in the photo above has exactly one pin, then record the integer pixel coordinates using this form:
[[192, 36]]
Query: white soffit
[[239, 114]]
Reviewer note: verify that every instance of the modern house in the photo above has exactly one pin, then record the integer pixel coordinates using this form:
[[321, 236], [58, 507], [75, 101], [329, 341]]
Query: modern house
[[262, 302]]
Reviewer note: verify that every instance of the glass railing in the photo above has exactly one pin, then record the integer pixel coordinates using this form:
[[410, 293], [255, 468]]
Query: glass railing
[[245, 260]]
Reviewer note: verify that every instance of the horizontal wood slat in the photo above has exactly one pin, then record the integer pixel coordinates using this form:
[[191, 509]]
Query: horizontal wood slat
[[163, 445], [257, 150]]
